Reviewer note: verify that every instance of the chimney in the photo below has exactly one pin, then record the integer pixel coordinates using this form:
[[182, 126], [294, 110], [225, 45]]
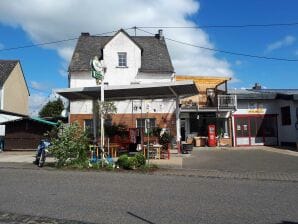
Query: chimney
[[159, 35], [257, 86], [85, 34]]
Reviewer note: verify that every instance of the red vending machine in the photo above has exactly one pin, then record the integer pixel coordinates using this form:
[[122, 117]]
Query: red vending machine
[[211, 136]]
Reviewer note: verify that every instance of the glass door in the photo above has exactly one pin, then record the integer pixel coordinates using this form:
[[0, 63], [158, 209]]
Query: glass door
[[242, 131], [256, 131]]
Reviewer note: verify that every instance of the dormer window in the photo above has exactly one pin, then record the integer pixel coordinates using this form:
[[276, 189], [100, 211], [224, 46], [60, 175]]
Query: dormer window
[[122, 59]]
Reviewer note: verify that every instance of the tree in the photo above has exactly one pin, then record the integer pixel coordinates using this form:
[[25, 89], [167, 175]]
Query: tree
[[52, 109]]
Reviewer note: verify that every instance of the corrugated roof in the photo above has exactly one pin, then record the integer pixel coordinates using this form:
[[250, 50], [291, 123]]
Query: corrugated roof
[[6, 67], [155, 55]]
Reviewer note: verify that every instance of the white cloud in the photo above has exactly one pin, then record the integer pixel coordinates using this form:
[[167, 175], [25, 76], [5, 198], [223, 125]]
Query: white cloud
[[286, 41], [1, 46], [63, 72], [36, 101], [54, 20], [37, 85]]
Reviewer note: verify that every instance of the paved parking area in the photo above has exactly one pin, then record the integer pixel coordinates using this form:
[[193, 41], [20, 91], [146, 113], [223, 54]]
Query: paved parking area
[[241, 160], [17, 156]]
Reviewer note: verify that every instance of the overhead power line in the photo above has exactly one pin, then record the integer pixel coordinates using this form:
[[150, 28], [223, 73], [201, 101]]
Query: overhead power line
[[222, 26], [52, 42], [39, 90], [225, 51], [180, 42]]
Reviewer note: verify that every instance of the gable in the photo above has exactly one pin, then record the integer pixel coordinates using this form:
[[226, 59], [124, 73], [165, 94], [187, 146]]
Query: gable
[[123, 36], [17, 76], [6, 67], [155, 57]]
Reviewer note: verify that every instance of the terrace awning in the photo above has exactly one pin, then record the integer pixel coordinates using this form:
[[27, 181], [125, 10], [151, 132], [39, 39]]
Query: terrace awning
[[134, 91], [174, 90]]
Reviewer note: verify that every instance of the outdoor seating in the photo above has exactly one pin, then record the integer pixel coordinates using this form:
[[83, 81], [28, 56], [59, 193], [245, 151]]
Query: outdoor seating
[[154, 151]]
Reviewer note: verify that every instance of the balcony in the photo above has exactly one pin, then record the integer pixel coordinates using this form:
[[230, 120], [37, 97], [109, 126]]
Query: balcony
[[216, 103], [226, 102], [188, 106]]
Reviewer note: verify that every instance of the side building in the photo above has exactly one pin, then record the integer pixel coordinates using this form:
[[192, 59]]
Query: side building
[[212, 106], [266, 117]]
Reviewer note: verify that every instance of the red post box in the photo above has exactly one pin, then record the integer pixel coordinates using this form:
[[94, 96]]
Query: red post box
[[211, 136]]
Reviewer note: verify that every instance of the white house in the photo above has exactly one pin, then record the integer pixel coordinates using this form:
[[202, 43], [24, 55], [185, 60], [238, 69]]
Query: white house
[[129, 60]]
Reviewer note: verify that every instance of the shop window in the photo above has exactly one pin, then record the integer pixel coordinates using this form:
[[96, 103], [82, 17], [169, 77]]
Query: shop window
[[285, 115], [141, 122], [222, 127]]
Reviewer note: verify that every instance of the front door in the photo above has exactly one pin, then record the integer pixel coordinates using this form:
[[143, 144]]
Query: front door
[[256, 130], [242, 131]]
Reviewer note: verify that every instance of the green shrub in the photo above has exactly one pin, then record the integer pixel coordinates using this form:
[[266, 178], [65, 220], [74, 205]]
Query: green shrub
[[141, 160], [70, 146], [132, 163], [122, 160], [127, 163]]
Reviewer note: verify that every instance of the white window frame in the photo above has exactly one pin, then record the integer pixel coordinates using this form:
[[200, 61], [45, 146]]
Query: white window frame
[[122, 59]]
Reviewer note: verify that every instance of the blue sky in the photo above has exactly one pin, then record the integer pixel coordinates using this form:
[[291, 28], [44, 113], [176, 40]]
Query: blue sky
[[45, 67], [271, 74]]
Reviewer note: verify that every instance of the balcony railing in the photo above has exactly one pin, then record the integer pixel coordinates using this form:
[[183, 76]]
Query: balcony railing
[[219, 102], [226, 102]]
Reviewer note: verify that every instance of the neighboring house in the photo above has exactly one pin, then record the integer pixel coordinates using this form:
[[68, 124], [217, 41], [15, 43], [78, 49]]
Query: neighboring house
[[129, 60], [25, 133], [14, 92], [212, 106], [266, 117]]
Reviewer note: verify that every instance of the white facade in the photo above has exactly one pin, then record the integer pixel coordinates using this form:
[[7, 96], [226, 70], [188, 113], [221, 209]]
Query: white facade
[[118, 75]]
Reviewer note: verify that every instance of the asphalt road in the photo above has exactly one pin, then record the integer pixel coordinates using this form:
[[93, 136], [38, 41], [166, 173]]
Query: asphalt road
[[47, 196]]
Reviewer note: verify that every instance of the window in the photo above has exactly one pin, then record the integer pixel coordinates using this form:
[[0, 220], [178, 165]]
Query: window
[[285, 115], [141, 122], [88, 126], [122, 59]]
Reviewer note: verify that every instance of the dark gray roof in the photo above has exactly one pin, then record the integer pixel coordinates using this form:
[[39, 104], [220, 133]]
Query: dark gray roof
[[265, 94], [6, 67], [155, 55]]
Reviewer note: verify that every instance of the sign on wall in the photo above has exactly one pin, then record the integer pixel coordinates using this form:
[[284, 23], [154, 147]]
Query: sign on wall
[[255, 108]]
